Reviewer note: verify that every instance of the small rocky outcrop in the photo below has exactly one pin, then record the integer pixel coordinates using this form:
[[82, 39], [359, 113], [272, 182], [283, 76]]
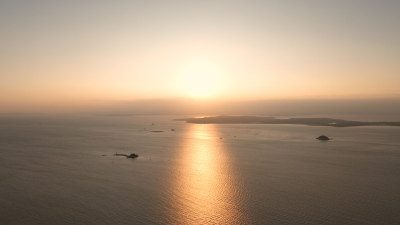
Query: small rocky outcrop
[[131, 156], [323, 138]]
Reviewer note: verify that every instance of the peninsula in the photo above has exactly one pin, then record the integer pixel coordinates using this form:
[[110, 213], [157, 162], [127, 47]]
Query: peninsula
[[272, 120]]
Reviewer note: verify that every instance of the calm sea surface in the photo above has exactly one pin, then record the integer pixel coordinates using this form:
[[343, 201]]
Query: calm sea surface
[[61, 170]]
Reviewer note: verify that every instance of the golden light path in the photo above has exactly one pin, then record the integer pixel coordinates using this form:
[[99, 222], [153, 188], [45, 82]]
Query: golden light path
[[204, 189]]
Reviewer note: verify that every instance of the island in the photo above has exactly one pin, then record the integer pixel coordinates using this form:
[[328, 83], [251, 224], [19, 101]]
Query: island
[[131, 156], [323, 138], [272, 120]]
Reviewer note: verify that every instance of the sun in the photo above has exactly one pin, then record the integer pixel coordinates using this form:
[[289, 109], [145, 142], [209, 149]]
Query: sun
[[201, 80]]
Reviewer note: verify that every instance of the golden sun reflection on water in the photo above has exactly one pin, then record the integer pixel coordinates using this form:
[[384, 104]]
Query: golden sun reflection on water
[[204, 188]]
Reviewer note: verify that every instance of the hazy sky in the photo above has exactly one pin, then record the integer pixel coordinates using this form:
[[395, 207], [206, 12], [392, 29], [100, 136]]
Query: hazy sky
[[122, 50]]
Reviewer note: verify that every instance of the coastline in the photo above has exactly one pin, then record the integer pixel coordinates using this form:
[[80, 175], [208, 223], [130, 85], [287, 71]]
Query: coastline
[[295, 121]]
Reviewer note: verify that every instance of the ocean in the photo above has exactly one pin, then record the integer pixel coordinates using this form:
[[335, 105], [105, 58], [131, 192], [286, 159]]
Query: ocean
[[61, 169]]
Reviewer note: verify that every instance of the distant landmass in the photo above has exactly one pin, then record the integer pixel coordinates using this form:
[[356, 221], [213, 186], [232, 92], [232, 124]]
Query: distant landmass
[[272, 120]]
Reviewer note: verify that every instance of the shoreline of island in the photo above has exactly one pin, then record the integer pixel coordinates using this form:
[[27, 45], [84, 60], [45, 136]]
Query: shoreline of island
[[292, 121]]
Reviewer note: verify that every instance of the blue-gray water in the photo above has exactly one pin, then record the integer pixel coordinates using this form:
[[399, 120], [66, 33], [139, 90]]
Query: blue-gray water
[[61, 170]]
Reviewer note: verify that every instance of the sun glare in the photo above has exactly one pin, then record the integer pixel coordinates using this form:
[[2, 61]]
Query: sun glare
[[201, 80]]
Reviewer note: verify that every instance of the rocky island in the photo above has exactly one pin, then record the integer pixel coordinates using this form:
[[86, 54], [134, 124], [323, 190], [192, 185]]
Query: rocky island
[[272, 120], [131, 156], [323, 138]]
